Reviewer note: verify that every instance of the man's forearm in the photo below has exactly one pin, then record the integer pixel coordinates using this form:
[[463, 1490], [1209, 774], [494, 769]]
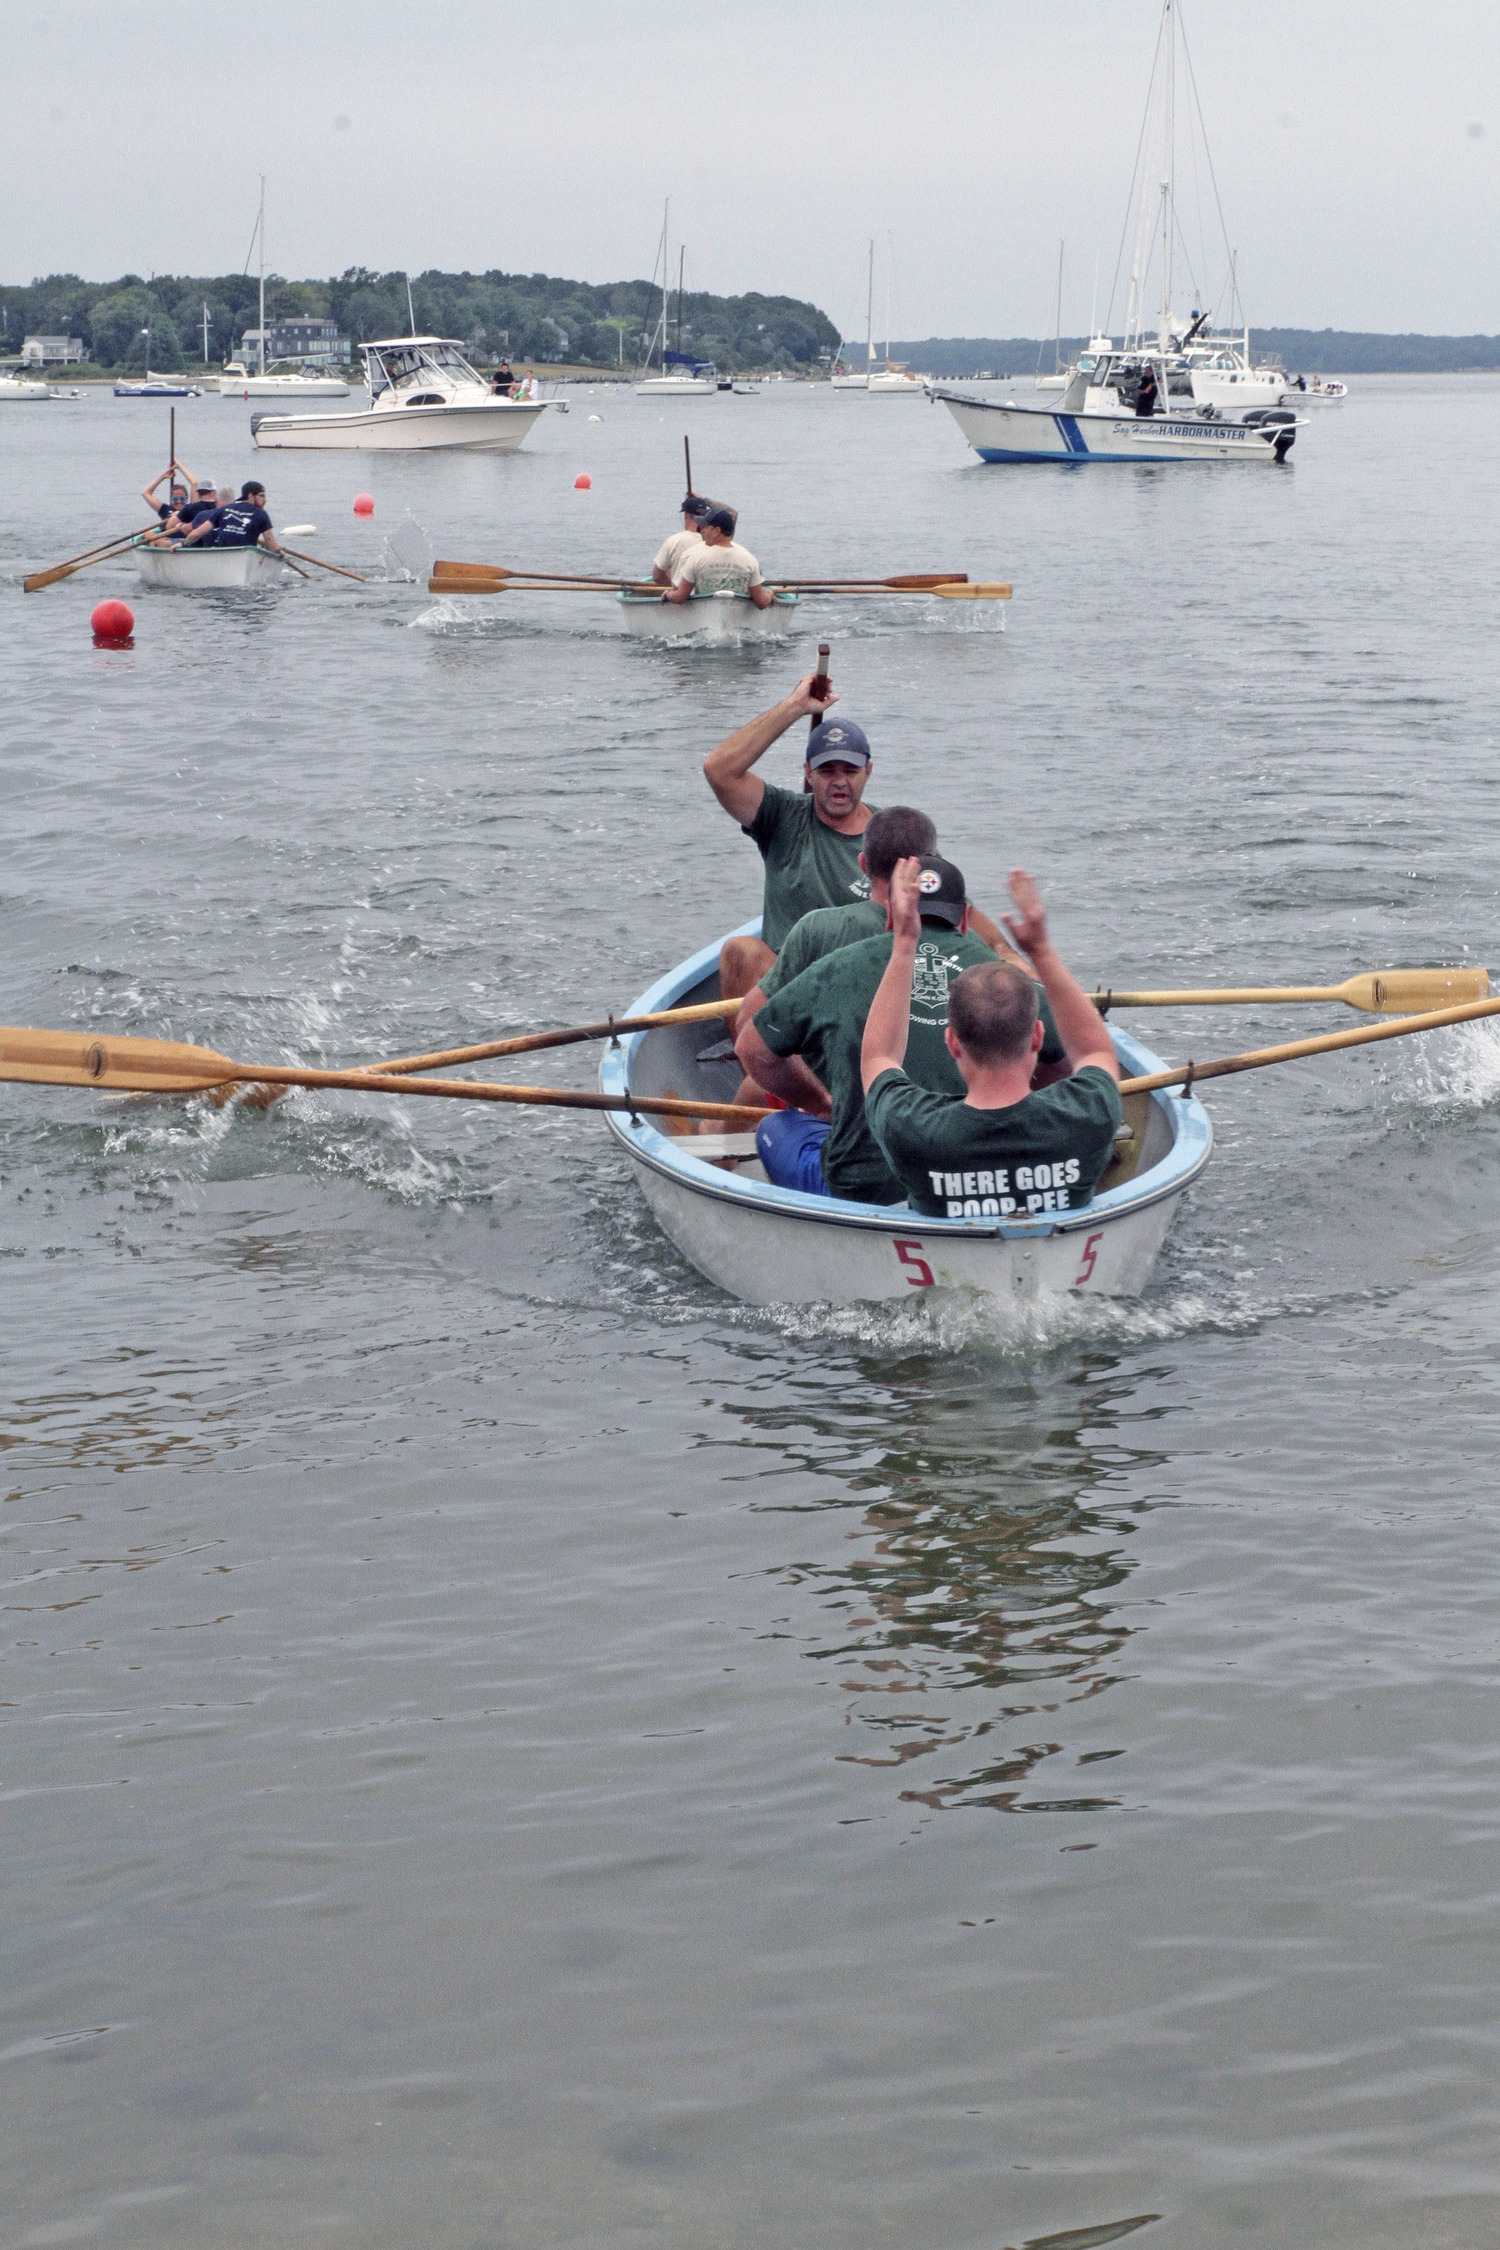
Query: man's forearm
[[1079, 1024], [888, 1024], [786, 1076], [740, 750]]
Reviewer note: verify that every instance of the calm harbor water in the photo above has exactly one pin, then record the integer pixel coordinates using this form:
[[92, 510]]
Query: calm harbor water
[[504, 1746]]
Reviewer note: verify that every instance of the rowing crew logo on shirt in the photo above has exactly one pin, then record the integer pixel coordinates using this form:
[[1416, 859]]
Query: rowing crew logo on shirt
[[987, 1195], [932, 974]]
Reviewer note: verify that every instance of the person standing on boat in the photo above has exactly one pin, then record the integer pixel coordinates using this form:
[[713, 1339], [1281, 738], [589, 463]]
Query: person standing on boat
[[679, 543], [808, 838], [804, 1046], [242, 523], [1145, 397], [717, 565], [999, 1149]]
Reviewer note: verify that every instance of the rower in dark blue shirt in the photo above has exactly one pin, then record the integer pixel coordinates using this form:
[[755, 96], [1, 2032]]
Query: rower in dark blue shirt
[[241, 523]]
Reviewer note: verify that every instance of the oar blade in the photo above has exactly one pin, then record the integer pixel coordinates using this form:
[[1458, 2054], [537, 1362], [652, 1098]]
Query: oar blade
[[973, 593], [1407, 992], [126, 1066]]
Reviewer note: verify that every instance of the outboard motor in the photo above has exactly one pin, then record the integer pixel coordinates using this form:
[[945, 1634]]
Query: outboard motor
[[1278, 419]]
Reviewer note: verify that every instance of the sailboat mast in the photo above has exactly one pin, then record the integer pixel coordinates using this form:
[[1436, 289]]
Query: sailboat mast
[[1164, 330], [870, 312], [1057, 333], [681, 262], [261, 231]]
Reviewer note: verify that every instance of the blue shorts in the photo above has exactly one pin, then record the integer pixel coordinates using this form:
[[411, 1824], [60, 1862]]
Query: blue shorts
[[789, 1144]]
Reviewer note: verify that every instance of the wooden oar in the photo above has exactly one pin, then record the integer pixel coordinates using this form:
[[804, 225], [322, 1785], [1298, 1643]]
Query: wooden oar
[[1191, 1074], [41, 578], [1385, 992], [166, 1066], [913, 582], [942, 592], [529, 1042], [283, 557], [522, 586], [337, 568]]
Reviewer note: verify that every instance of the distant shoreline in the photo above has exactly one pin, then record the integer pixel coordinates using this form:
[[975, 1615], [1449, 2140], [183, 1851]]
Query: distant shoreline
[[1307, 351]]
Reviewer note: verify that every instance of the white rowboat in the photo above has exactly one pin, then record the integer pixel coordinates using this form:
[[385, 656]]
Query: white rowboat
[[196, 570], [770, 1245], [715, 616]]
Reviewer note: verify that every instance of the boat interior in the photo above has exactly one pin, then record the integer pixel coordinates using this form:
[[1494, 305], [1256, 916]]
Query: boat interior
[[683, 1061]]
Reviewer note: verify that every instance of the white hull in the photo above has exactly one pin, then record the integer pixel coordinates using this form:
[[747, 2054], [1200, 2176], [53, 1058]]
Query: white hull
[[494, 426], [282, 386], [1042, 433], [896, 386], [769, 1245], [18, 387], [721, 617], [851, 382], [195, 570], [674, 386]]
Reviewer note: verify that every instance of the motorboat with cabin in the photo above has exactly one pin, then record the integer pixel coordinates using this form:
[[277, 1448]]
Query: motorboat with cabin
[[423, 397], [770, 1245]]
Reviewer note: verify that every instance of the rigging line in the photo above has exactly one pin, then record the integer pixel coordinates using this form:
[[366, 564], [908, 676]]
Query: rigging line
[[1135, 169], [1208, 153], [254, 231]]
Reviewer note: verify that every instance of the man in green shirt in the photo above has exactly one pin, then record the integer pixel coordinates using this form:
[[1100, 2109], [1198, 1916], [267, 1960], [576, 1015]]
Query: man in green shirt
[[804, 1047], [809, 839], [997, 1150]]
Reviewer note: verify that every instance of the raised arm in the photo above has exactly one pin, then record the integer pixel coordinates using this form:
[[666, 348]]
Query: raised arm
[[889, 1022], [727, 769], [1079, 1023]]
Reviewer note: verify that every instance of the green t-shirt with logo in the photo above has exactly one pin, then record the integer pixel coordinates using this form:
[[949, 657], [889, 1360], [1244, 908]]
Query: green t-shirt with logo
[[821, 1015], [808, 863], [817, 935], [1044, 1153]]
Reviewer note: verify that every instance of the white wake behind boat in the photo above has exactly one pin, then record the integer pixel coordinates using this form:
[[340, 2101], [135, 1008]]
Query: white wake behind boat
[[196, 570], [719, 617], [423, 397], [770, 1245]]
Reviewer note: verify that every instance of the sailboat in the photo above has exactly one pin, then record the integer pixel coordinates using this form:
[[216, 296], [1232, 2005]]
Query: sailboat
[[682, 376], [1182, 394], [891, 379], [236, 382]]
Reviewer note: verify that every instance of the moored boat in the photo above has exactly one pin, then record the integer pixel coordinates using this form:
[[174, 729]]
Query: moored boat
[[195, 570], [156, 386], [770, 1245], [1078, 429], [24, 387], [423, 397], [717, 616]]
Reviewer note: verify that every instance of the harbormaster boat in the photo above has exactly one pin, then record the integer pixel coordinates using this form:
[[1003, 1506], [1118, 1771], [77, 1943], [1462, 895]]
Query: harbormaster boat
[[423, 397], [771, 1245], [1211, 401]]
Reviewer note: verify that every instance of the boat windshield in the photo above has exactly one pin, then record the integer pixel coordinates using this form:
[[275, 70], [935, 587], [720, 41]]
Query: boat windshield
[[394, 364]]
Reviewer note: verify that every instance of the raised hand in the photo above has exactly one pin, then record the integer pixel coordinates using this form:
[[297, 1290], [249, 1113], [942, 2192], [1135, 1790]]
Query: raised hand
[[1028, 925], [802, 697], [905, 909]]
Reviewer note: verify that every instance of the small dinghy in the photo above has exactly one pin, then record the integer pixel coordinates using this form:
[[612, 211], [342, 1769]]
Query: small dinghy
[[770, 1245], [716, 616], [194, 570]]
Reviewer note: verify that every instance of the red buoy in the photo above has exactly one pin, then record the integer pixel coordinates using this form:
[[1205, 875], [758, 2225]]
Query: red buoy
[[583, 482], [113, 624], [364, 503]]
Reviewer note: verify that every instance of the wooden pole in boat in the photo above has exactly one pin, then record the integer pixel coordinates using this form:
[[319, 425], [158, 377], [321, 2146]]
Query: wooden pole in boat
[[819, 687], [687, 455], [172, 449]]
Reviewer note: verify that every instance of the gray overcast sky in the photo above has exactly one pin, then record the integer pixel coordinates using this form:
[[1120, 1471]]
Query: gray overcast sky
[[1356, 143]]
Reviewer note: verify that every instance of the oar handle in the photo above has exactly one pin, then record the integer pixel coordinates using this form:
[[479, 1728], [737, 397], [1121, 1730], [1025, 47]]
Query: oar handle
[[819, 688]]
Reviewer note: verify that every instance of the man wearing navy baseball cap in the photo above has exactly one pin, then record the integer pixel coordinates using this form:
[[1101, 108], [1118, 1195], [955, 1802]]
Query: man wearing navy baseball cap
[[679, 543], [809, 839]]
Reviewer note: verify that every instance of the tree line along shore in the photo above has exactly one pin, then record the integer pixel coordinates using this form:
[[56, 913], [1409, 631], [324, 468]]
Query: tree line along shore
[[530, 317]]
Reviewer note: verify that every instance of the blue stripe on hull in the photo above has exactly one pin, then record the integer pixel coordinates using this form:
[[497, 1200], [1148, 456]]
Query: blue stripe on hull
[[1072, 460]]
